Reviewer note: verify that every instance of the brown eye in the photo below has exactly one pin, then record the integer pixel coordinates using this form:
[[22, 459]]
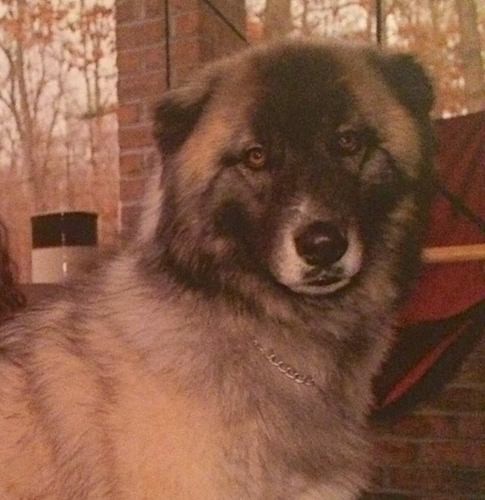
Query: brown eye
[[255, 157], [348, 143]]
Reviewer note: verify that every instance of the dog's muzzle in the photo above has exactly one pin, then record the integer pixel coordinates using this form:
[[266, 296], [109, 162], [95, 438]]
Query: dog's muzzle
[[318, 258]]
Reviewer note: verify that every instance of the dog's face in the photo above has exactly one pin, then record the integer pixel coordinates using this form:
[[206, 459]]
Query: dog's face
[[293, 163]]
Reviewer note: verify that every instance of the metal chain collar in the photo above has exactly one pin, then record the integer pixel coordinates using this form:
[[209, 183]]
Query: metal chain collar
[[283, 367]]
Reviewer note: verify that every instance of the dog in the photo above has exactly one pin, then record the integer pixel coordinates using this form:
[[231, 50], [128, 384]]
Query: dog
[[228, 351]]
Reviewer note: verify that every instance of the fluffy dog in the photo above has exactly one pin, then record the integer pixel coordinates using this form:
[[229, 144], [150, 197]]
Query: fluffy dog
[[228, 352]]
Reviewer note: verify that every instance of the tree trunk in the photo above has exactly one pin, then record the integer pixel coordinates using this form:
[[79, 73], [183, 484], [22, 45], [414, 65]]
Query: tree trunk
[[27, 129], [470, 54], [90, 106], [277, 17]]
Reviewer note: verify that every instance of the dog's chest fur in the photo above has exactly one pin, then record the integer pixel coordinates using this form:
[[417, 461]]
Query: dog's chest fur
[[190, 448], [230, 425]]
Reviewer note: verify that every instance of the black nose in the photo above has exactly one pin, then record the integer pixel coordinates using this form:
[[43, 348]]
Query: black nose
[[321, 244]]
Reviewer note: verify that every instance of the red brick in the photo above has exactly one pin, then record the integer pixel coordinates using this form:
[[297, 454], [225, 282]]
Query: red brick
[[394, 452], [135, 137], [185, 52], [131, 164], [127, 11], [129, 114], [129, 61], [472, 426], [455, 453], [437, 480], [461, 399], [154, 58], [139, 34], [132, 189], [142, 86], [182, 5], [186, 24], [153, 8], [420, 426]]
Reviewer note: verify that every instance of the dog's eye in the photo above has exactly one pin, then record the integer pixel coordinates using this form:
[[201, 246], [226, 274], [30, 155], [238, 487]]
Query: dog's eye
[[348, 142], [255, 157]]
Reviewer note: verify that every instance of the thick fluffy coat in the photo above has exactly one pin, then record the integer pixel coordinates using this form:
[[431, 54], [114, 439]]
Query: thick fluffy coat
[[229, 352]]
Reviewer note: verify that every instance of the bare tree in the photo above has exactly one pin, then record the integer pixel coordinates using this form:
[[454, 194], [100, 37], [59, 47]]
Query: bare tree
[[277, 17], [320, 17], [29, 82], [95, 27], [92, 51], [472, 64]]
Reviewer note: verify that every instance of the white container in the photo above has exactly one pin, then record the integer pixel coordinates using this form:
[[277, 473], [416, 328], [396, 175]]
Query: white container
[[63, 245]]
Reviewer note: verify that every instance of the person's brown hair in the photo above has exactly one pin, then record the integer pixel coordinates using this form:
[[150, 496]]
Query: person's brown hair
[[11, 298]]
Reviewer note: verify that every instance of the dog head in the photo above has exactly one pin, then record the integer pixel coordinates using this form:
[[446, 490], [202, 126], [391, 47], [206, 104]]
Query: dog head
[[301, 163]]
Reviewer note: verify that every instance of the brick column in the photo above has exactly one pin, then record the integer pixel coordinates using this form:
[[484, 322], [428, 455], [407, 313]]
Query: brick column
[[141, 80]]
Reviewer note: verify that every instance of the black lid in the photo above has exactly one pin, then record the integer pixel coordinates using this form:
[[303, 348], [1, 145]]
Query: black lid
[[64, 229]]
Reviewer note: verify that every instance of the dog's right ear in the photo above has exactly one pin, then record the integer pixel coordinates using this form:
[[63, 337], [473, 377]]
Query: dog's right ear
[[409, 80], [178, 113]]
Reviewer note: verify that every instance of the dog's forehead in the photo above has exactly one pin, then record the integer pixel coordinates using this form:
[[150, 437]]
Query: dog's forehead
[[295, 80], [302, 84], [302, 74], [302, 92]]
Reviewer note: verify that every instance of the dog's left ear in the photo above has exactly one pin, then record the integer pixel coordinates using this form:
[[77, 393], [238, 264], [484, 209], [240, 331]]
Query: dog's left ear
[[409, 80], [178, 113]]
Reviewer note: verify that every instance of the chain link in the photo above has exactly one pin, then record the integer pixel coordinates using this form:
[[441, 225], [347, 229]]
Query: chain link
[[283, 367]]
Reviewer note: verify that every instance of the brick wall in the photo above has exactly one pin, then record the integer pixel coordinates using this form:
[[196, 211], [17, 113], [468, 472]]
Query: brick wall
[[141, 80], [438, 450]]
